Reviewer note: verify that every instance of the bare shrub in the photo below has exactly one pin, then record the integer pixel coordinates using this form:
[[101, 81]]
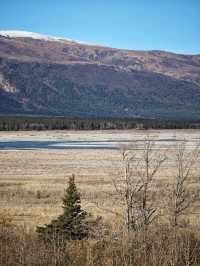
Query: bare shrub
[[134, 187], [23, 248], [180, 198]]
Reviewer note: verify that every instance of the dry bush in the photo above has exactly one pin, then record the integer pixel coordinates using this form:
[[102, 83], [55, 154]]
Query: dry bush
[[180, 196], [159, 249], [134, 188]]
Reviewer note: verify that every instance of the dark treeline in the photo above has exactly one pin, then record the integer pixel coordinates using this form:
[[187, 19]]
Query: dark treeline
[[9, 123]]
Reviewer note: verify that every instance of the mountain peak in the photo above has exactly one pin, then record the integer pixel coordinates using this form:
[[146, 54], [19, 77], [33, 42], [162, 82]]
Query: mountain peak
[[33, 35]]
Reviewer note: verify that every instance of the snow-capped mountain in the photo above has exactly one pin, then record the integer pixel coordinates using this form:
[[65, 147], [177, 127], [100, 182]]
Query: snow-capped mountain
[[24, 34], [32, 35], [47, 75]]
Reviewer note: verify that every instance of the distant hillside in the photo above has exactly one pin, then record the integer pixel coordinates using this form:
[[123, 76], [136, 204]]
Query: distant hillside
[[51, 76]]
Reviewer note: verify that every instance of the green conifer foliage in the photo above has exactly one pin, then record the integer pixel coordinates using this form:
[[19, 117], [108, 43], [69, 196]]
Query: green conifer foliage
[[70, 225]]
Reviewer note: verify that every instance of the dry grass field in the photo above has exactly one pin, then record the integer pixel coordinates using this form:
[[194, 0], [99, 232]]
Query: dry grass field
[[32, 182]]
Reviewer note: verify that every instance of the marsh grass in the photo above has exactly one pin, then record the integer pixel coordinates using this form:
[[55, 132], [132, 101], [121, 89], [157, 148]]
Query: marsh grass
[[20, 246], [32, 184]]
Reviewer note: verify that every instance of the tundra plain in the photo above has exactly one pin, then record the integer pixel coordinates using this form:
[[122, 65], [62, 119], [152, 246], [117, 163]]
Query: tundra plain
[[32, 182]]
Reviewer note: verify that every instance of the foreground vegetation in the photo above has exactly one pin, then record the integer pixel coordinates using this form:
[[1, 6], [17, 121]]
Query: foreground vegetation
[[153, 222], [161, 246]]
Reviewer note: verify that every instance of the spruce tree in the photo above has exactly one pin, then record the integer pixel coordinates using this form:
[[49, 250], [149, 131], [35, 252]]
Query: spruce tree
[[70, 225]]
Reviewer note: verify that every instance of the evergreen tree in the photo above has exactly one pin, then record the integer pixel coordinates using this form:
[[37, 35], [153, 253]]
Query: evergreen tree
[[71, 224]]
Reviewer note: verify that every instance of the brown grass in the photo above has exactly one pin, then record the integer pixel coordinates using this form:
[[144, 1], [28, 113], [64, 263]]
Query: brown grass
[[32, 184], [19, 246]]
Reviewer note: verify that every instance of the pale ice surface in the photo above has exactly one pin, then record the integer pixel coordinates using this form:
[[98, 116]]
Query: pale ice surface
[[108, 139]]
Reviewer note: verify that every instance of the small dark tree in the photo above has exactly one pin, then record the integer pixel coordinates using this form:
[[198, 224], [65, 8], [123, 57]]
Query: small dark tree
[[71, 225]]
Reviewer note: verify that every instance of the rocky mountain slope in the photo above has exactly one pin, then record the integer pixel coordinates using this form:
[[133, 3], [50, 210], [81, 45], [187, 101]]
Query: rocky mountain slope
[[53, 76]]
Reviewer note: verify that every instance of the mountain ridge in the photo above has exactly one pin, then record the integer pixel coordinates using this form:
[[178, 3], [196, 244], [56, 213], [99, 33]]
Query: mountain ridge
[[45, 77], [33, 35]]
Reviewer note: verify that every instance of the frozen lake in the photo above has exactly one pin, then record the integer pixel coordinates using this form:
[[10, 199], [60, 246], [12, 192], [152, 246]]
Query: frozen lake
[[45, 144], [108, 139], [108, 144]]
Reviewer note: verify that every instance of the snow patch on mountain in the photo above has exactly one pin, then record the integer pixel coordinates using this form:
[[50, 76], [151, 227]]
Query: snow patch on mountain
[[26, 34], [32, 35]]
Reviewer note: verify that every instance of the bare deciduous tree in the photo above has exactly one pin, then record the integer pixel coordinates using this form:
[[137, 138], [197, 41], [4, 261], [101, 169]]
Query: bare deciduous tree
[[134, 187], [180, 197]]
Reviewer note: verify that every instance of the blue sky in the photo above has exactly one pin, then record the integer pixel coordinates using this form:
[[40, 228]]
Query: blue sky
[[171, 25]]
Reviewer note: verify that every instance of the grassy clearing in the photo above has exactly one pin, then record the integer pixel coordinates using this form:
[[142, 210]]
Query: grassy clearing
[[26, 174], [32, 184]]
